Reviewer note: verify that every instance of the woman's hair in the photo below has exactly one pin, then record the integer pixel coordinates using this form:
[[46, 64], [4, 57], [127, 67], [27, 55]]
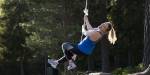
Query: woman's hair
[[112, 33], [109, 26]]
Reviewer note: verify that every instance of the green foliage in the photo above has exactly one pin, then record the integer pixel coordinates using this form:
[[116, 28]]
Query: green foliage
[[127, 70], [120, 71], [127, 17]]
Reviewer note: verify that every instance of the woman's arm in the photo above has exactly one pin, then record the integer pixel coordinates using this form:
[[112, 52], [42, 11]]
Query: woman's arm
[[84, 31], [87, 23]]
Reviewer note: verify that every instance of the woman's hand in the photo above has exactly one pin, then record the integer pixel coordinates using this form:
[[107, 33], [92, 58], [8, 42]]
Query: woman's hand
[[85, 11]]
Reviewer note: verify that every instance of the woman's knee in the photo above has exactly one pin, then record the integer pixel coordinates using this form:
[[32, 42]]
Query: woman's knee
[[66, 46]]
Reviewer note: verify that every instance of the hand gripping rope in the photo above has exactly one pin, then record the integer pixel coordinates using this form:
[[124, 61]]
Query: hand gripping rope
[[85, 14]]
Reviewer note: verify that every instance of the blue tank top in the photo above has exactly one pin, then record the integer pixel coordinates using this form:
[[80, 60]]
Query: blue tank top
[[86, 46]]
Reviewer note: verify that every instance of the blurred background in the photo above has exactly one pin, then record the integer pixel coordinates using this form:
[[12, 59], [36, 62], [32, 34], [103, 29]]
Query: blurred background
[[31, 31]]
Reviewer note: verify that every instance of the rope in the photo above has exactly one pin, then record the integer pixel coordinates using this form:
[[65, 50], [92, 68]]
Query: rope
[[86, 5], [85, 13], [85, 9]]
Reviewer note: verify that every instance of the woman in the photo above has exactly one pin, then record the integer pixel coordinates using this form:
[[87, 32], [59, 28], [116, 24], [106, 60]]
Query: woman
[[85, 46]]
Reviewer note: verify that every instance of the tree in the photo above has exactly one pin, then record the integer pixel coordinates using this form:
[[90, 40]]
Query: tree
[[129, 46], [30, 29], [15, 35], [98, 15], [105, 46], [146, 57]]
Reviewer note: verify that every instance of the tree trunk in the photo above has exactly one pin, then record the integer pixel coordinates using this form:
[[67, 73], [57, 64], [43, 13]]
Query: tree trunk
[[105, 55], [104, 41], [21, 67], [45, 62], [96, 19], [146, 58], [66, 22]]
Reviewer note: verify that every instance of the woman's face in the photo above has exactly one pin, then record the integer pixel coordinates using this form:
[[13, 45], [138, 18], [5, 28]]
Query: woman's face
[[104, 26]]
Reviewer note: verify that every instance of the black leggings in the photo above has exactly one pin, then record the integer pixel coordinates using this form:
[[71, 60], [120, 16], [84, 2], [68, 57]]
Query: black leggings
[[69, 50], [66, 48]]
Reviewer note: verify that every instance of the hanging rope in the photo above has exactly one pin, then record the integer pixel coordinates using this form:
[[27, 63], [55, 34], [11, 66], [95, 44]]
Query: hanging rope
[[86, 5], [85, 9], [85, 13]]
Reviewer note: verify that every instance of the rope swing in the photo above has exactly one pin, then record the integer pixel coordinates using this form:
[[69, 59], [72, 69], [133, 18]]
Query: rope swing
[[85, 14], [85, 9]]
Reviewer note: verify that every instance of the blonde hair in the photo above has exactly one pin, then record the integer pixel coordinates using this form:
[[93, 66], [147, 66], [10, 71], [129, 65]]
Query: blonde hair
[[112, 36]]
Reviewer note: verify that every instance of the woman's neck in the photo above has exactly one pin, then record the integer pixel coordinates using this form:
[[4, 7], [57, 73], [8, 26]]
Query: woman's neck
[[102, 32]]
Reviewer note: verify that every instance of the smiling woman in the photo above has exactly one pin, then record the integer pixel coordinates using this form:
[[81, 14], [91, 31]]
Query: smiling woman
[[86, 46]]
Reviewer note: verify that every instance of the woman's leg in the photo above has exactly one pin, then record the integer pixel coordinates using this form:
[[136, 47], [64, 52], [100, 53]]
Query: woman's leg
[[66, 47], [67, 56]]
